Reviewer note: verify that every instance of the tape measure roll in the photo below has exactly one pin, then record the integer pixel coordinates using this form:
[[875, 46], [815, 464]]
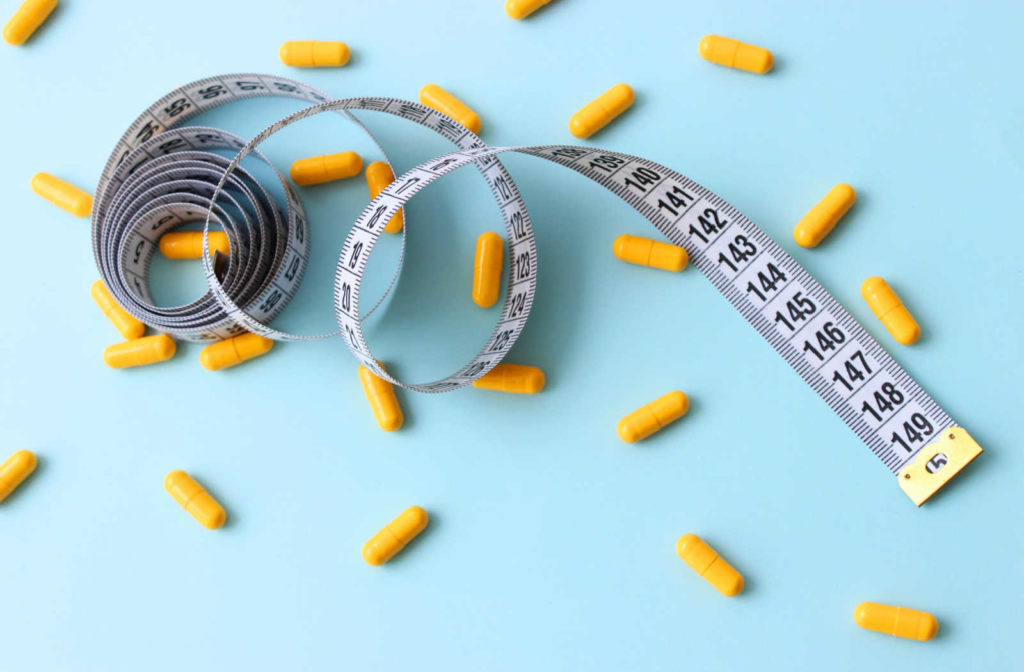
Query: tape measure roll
[[161, 176], [900, 423]]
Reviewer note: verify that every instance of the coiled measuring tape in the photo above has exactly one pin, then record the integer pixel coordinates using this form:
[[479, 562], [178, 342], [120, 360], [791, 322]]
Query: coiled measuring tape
[[160, 176]]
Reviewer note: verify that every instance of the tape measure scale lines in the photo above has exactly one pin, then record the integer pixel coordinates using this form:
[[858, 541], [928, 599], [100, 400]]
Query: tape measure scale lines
[[158, 172]]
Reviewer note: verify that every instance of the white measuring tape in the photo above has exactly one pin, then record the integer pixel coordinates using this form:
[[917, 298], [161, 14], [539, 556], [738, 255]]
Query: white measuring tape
[[160, 177]]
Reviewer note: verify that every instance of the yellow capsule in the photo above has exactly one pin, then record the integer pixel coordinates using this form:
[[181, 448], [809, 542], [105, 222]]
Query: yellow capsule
[[395, 535], [896, 621], [139, 352], [27, 19], [823, 217], [520, 9], [189, 244], [888, 308], [64, 195], [735, 54], [311, 54], [653, 417], [378, 176], [326, 168], [14, 470], [601, 111], [514, 378], [709, 564], [232, 351], [434, 96], [381, 395], [647, 252], [194, 499], [490, 253], [129, 327]]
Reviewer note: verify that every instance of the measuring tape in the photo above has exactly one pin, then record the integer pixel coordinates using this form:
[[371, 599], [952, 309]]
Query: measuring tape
[[160, 177]]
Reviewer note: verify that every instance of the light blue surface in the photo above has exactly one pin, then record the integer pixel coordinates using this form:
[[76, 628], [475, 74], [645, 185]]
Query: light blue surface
[[551, 545]]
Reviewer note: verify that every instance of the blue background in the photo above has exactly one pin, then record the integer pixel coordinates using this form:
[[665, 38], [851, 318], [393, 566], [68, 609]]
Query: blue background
[[551, 544]]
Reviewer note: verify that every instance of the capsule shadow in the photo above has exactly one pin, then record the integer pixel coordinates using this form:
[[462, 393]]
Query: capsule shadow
[[408, 419], [41, 31], [671, 431], [229, 516], [848, 220], [26, 484], [409, 548], [725, 553]]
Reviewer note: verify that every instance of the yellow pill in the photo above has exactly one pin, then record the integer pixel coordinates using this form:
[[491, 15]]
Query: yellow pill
[[65, 196], [434, 96], [823, 217], [189, 244], [735, 54], [395, 535], [14, 470], [129, 327], [896, 621], [888, 308], [194, 499], [232, 351], [140, 352], [520, 9], [326, 168], [651, 418], [601, 111], [27, 19], [378, 176], [381, 395], [709, 564], [647, 252], [490, 253], [514, 378], [311, 54]]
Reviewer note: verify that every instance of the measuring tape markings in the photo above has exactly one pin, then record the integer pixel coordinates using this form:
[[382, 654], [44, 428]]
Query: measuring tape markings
[[161, 191], [869, 391], [887, 395], [278, 267]]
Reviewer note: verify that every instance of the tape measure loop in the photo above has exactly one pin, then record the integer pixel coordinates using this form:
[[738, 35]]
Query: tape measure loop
[[159, 158]]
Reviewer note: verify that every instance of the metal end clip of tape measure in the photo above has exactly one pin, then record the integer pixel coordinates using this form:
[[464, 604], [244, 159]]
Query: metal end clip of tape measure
[[161, 176]]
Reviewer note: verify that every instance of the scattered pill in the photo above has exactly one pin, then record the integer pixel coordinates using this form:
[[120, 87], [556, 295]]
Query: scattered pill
[[823, 217], [395, 535], [64, 195], [378, 176], [129, 327], [381, 395], [514, 378], [520, 9], [735, 54], [140, 352], [896, 621], [434, 96], [195, 499], [710, 565], [490, 254], [14, 470], [326, 168], [653, 417], [888, 308], [312, 54], [601, 111], [646, 252], [235, 350], [189, 244], [29, 16]]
